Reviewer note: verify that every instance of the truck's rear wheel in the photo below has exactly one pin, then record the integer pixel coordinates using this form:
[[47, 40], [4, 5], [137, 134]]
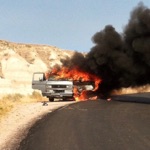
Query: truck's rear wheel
[[51, 99]]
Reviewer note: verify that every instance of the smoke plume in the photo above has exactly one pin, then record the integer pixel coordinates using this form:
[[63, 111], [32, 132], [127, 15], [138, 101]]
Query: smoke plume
[[121, 60]]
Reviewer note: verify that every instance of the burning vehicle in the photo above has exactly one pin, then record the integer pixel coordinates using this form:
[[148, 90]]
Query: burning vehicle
[[51, 87], [65, 84]]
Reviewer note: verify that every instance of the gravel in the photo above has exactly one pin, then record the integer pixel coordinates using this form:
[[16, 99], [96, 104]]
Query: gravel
[[16, 124]]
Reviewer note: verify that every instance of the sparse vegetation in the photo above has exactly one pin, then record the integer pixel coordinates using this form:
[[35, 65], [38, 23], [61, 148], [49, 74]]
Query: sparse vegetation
[[37, 96], [5, 106], [9, 101]]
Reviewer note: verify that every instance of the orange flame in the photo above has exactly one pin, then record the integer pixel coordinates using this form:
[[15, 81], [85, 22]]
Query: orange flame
[[78, 75]]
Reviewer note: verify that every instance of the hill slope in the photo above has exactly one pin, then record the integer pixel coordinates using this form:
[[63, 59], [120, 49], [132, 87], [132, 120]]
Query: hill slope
[[19, 61]]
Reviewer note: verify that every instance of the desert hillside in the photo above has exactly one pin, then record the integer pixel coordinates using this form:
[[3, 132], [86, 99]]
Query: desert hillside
[[19, 61]]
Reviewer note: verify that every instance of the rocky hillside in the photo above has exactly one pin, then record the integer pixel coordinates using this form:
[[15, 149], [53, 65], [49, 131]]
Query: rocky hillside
[[19, 61]]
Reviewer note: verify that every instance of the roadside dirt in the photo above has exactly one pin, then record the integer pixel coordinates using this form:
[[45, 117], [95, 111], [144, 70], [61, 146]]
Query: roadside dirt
[[15, 125]]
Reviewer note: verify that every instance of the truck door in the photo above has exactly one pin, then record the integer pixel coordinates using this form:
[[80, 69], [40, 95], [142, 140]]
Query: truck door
[[38, 81]]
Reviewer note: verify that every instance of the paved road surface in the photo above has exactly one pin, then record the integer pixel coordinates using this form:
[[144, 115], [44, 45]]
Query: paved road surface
[[93, 125]]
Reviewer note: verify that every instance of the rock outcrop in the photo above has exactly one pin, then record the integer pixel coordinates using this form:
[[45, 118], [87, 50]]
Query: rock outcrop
[[19, 61]]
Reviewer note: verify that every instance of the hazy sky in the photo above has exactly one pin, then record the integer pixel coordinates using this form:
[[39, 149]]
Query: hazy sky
[[67, 24]]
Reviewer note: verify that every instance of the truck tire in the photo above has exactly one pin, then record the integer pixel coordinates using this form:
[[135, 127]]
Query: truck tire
[[64, 99], [51, 99]]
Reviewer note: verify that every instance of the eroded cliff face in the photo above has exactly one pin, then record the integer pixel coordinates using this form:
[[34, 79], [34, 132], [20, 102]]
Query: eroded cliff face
[[19, 61]]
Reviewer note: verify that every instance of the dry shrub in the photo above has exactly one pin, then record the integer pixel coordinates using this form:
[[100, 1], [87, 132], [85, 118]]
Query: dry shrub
[[5, 106], [13, 97], [37, 96], [9, 101]]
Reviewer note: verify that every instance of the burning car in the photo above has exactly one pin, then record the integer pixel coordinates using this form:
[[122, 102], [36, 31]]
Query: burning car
[[64, 84]]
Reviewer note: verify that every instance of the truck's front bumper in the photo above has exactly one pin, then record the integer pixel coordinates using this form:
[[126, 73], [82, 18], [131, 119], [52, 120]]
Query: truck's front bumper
[[58, 95]]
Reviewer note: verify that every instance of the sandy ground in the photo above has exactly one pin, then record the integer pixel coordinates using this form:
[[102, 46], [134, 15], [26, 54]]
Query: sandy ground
[[14, 126]]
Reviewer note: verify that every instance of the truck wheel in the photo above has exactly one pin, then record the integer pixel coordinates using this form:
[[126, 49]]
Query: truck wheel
[[51, 99], [64, 99]]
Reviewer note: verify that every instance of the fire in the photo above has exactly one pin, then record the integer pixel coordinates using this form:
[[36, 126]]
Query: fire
[[76, 74]]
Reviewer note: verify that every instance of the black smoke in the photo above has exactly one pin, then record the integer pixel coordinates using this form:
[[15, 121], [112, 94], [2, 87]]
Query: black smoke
[[121, 60]]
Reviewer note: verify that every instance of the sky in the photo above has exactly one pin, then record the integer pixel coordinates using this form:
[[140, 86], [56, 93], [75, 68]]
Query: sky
[[67, 24]]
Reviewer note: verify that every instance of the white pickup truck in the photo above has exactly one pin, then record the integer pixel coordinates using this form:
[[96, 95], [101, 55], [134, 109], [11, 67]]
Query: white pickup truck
[[58, 88]]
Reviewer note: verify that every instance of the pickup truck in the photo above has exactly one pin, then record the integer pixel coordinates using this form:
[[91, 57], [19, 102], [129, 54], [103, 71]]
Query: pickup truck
[[58, 88]]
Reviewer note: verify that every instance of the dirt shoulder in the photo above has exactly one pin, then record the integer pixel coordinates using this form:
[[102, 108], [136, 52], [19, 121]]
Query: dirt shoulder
[[15, 125]]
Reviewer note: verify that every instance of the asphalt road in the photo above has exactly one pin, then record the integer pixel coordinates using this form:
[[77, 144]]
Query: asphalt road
[[92, 125]]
